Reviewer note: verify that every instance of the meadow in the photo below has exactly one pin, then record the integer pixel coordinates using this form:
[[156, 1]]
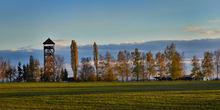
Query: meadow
[[170, 95]]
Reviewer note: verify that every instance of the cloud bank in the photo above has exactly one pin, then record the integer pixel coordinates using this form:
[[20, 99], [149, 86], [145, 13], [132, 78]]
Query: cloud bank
[[205, 31]]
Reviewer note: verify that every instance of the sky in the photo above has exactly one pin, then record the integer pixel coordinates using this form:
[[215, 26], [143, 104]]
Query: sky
[[27, 23]]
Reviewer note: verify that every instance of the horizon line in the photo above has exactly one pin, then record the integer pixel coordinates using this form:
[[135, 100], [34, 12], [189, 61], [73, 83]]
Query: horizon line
[[29, 48]]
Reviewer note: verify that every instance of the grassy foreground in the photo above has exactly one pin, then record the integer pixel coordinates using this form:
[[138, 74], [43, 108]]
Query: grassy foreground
[[180, 95]]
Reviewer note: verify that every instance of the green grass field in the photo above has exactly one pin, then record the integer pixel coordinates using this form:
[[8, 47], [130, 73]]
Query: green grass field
[[179, 95]]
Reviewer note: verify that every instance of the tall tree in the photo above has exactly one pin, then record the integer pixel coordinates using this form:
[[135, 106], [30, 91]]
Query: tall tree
[[150, 63], [196, 69], [161, 65], [217, 62], [96, 59], [176, 67], [169, 53], [74, 58], [174, 62], [207, 65], [137, 64]]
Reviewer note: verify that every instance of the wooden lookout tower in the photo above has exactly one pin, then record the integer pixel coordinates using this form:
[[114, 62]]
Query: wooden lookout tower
[[49, 59]]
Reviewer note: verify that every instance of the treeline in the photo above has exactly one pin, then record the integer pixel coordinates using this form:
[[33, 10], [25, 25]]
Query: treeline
[[31, 72], [128, 66], [141, 66]]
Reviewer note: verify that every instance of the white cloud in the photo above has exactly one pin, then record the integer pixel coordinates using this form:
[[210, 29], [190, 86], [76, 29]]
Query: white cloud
[[194, 28], [14, 49], [203, 30], [28, 48], [61, 43]]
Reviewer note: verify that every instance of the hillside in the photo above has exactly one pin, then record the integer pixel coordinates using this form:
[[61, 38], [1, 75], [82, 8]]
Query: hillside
[[189, 47]]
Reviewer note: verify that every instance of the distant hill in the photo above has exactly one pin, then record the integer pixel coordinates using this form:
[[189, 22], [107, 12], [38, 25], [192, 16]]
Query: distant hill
[[189, 47]]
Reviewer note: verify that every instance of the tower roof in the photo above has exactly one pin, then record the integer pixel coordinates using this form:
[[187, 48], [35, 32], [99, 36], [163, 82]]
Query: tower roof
[[48, 41]]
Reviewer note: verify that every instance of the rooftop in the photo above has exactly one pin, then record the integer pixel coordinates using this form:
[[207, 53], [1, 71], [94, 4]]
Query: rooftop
[[48, 41]]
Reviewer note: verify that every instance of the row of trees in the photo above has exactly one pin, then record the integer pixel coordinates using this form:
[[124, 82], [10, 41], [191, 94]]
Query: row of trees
[[209, 65], [140, 66], [31, 72]]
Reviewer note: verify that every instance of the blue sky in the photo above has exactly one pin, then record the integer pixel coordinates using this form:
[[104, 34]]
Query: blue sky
[[27, 23]]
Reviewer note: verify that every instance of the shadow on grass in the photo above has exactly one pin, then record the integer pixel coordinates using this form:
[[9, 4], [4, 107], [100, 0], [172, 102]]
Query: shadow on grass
[[80, 90]]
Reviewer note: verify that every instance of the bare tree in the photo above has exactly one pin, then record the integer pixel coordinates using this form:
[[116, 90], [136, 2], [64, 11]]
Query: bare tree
[[4, 67], [87, 72], [10, 73], [59, 65]]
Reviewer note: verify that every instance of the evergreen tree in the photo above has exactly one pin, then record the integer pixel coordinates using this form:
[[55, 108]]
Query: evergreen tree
[[207, 65], [96, 59], [30, 74], [25, 72], [74, 58], [64, 75], [196, 69], [20, 72]]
